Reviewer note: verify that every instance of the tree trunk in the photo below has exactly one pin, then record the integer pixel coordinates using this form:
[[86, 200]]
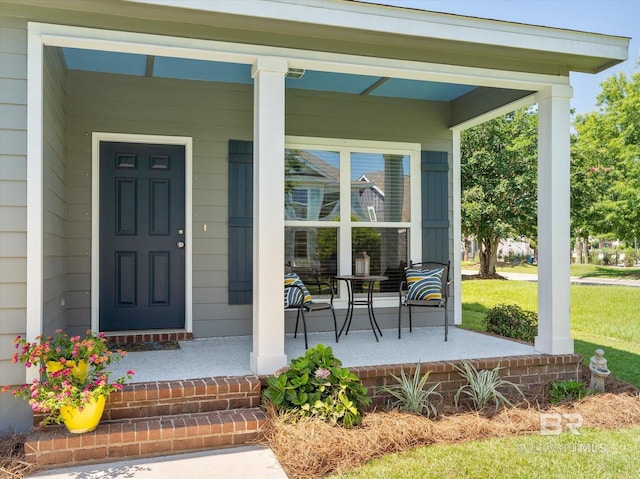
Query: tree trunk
[[489, 256]]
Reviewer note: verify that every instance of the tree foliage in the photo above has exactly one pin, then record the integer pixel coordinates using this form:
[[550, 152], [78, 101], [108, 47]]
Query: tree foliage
[[605, 189], [499, 182]]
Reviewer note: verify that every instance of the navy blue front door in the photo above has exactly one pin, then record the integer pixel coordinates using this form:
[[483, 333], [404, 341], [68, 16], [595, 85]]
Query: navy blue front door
[[142, 222]]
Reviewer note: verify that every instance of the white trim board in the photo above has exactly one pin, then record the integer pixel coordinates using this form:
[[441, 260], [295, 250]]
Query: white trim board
[[187, 142]]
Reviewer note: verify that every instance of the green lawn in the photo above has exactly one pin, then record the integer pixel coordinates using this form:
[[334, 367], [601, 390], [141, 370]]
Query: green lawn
[[602, 317], [595, 453]]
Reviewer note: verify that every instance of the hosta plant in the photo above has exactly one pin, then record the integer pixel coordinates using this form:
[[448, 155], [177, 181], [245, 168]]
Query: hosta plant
[[410, 394], [317, 385], [561, 390], [483, 387]]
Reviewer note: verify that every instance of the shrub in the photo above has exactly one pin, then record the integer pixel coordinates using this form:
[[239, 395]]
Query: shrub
[[482, 387], [511, 321], [629, 257], [410, 395], [561, 390], [316, 385]]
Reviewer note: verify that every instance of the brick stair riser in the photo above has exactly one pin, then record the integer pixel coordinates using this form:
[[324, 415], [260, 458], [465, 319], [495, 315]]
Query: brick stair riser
[[114, 440], [164, 398]]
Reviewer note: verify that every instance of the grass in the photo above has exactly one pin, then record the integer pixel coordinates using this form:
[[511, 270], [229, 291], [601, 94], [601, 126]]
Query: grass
[[612, 453], [601, 316]]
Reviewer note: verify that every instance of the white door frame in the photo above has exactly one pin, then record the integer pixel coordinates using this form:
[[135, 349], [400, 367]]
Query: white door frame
[[185, 141]]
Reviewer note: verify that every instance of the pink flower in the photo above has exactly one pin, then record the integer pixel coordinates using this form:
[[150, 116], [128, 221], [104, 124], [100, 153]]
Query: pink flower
[[131, 372], [322, 373]]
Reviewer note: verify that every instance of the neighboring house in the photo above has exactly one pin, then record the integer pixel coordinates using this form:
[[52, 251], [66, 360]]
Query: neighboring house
[[142, 165]]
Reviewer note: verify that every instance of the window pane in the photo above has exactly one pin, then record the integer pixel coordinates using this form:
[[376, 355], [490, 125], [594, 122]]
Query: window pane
[[312, 188], [313, 253], [387, 248], [380, 187]]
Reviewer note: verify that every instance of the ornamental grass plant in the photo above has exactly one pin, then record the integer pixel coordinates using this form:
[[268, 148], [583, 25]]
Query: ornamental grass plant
[[62, 383]]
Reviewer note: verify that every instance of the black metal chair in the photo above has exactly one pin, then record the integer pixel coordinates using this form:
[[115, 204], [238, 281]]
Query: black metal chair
[[429, 302], [297, 297]]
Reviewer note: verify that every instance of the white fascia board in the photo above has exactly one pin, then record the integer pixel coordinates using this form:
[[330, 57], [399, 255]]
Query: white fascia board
[[416, 23], [162, 45]]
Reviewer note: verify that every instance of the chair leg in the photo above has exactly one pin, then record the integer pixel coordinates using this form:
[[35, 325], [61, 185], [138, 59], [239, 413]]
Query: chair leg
[[304, 325], [399, 319], [410, 321], [295, 333], [446, 322], [335, 323]]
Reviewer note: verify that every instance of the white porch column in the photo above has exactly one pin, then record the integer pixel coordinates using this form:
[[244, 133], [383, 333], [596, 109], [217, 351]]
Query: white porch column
[[456, 276], [554, 326], [268, 215]]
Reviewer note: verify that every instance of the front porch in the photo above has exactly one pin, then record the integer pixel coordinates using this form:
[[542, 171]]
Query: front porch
[[229, 356], [205, 396]]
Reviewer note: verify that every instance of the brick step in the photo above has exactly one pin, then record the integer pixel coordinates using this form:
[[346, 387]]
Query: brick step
[[165, 398], [143, 437]]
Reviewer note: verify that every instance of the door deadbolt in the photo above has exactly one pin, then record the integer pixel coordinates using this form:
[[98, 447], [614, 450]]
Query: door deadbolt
[[180, 231], [180, 244]]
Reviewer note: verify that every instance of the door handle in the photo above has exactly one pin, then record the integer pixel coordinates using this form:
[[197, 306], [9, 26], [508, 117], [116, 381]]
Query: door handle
[[180, 244]]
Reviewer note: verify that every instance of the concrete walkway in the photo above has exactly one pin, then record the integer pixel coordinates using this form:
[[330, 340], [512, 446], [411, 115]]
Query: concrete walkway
[[574, 279], [235, 463]]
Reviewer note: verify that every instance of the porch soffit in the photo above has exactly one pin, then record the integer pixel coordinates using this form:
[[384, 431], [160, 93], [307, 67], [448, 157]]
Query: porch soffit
[[427, 37]]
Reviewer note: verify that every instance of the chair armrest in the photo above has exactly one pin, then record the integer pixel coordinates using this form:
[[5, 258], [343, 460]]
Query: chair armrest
[[402, 288], [326, 283]]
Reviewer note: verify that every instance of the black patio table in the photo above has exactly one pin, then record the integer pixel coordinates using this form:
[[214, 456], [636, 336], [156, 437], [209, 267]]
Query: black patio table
[[352, 301]]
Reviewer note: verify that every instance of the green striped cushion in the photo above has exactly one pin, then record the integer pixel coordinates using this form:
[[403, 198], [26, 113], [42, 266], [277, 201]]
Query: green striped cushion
[[424, 284], [292, 296]]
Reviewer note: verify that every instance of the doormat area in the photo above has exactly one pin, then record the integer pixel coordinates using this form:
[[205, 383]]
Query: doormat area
[[146, 346]]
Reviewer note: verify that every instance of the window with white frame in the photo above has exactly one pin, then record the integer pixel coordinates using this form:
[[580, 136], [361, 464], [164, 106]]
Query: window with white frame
[[343, 197]]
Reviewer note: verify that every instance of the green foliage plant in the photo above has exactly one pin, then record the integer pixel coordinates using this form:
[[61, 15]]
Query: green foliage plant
[[511, 321], [410, 394], [483, 387], [568, 389], [317, 385]]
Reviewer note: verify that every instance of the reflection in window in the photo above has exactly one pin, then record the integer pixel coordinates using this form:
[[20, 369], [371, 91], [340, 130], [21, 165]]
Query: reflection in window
[[375, 199], [388, 252], [380, 187], [312, 185], [313, 253]]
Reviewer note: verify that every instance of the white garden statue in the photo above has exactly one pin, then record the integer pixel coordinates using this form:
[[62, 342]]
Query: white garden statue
[[599, 371]]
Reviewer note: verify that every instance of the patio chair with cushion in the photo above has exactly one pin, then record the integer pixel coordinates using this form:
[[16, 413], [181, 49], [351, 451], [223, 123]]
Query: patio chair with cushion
[[425, 285], [296, 296]]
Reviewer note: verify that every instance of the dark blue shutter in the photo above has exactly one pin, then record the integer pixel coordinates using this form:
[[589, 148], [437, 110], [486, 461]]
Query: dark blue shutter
[[435, 206], [240, 222]]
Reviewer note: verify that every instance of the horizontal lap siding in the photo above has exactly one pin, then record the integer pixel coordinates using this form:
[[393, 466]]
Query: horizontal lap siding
[[13, 209], [55, 226], [211, 113]]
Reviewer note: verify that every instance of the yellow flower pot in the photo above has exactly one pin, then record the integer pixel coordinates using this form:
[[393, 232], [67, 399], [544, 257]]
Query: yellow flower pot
[[79, 370], [79, 421]]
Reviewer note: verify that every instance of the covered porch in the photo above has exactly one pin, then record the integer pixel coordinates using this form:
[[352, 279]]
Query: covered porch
[[229, 356]]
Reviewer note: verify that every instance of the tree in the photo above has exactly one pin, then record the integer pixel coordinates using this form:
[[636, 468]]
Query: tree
[[606, 163], [499, 182]]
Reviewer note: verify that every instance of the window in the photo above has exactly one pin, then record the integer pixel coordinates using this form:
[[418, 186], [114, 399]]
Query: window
[[343, 197]]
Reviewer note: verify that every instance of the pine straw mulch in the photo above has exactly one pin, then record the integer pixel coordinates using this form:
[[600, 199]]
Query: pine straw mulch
[[312, 448], [12, 463]]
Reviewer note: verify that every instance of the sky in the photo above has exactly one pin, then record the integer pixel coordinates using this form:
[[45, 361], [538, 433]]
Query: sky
[[613, 17]]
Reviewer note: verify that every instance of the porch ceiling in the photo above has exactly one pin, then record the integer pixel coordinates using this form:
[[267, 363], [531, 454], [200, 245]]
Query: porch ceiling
[[211, 71]]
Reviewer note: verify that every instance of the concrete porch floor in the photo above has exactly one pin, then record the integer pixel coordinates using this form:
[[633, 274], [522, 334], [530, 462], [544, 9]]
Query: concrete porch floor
[[229, 356]]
